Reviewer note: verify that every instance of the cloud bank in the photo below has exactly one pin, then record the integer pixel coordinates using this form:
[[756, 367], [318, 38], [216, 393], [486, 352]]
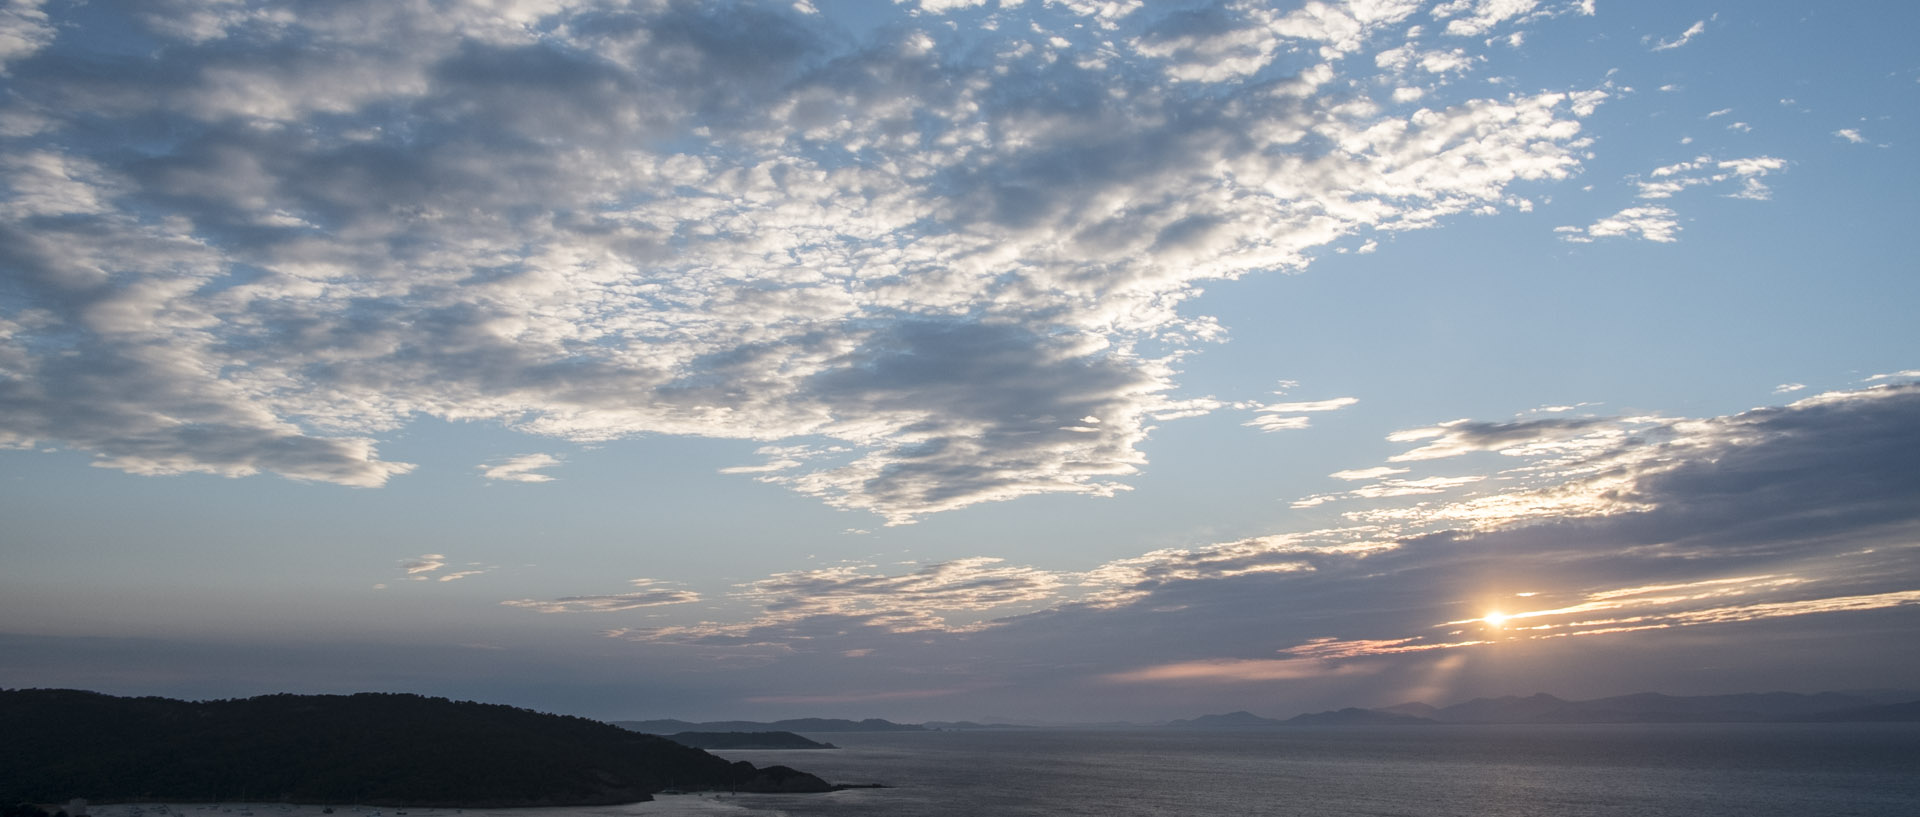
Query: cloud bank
[[1597, 528]]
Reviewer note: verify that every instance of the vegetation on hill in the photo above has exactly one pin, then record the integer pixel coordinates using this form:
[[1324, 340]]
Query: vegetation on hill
[[376, 749]]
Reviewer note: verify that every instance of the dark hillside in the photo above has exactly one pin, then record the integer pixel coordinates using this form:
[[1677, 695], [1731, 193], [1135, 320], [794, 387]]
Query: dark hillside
[[376, 749]]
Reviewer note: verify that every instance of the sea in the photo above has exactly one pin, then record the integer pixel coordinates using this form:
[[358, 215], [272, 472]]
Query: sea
[[1627, 770]]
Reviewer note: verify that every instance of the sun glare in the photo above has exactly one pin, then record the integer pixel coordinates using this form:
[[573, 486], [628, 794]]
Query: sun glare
[[1495, 618]]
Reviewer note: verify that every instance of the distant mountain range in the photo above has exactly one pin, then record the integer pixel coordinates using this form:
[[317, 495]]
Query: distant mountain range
[[670, 726], [1644, 707], [961, 726], [746, 740]]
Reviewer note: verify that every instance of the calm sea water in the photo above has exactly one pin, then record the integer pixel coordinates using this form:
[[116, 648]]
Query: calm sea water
[[1745, 770]]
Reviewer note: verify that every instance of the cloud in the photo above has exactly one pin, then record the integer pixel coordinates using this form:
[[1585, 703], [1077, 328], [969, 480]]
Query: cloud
[[1472, 18], [920, 262], [1314, 405], [1386, 488], [1699, 27], [1666, 181], [1459, 437], [421, 569], [1375, 472], [1230, 670], [1851, 135], [24, 30], [1615, 531], [417, 567], [521, 469], [1651, 222], [1272, 417], [651, 594], [1274, 422]]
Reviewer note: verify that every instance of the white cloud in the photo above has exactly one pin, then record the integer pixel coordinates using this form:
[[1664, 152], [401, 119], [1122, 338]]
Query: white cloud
[[650, 594], [1334, 404], [376, 213], [1367, 473], [416, 567], [944, 6], [1391, 488], [1653, 223], [1271, 416], [1664, 182], [525, 468], [24, 30], [1480, 16], [1695, 30], [1274, 422], [1851, 135]]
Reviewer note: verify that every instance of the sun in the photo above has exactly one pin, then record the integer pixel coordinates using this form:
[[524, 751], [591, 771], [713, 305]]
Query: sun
[[1495, 618]]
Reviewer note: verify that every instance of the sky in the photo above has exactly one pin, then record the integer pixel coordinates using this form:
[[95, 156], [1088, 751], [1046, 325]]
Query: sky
[[1054, 361]]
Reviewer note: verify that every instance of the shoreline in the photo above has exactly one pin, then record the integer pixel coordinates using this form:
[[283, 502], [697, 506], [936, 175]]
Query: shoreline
[[672, 804]]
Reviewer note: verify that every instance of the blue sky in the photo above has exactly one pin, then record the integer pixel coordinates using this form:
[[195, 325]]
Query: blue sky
[[1050, 360]]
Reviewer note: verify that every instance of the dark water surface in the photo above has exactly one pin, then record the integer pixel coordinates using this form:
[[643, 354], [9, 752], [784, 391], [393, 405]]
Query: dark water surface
[[1665, 770]]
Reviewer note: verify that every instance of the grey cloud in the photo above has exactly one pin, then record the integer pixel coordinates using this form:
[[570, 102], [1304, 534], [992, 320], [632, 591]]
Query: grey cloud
[[1771, 524], [614, 603], [957, 443], [1464, 436], [262, 234], [967, 584], [837, 604], [23, 30]]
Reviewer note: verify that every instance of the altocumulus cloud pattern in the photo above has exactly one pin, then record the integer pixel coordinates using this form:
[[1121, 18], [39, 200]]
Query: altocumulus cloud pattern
[[928, 265]]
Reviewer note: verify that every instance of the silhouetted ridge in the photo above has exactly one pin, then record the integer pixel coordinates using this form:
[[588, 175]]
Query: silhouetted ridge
[[376, 749], [746, 740], [671, 726], [1231, 720], [1354, 716]]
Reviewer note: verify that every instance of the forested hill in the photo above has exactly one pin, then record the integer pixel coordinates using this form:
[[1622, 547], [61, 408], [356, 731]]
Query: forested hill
[[375, 749]]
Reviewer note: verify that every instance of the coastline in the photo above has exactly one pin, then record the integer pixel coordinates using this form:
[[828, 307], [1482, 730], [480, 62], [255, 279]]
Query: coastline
[[669, 804]]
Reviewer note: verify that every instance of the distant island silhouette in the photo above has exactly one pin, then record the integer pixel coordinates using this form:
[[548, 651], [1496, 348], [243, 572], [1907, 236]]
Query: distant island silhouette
[[1641, 707], [746, 740], [670, 726], [370, 748]]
